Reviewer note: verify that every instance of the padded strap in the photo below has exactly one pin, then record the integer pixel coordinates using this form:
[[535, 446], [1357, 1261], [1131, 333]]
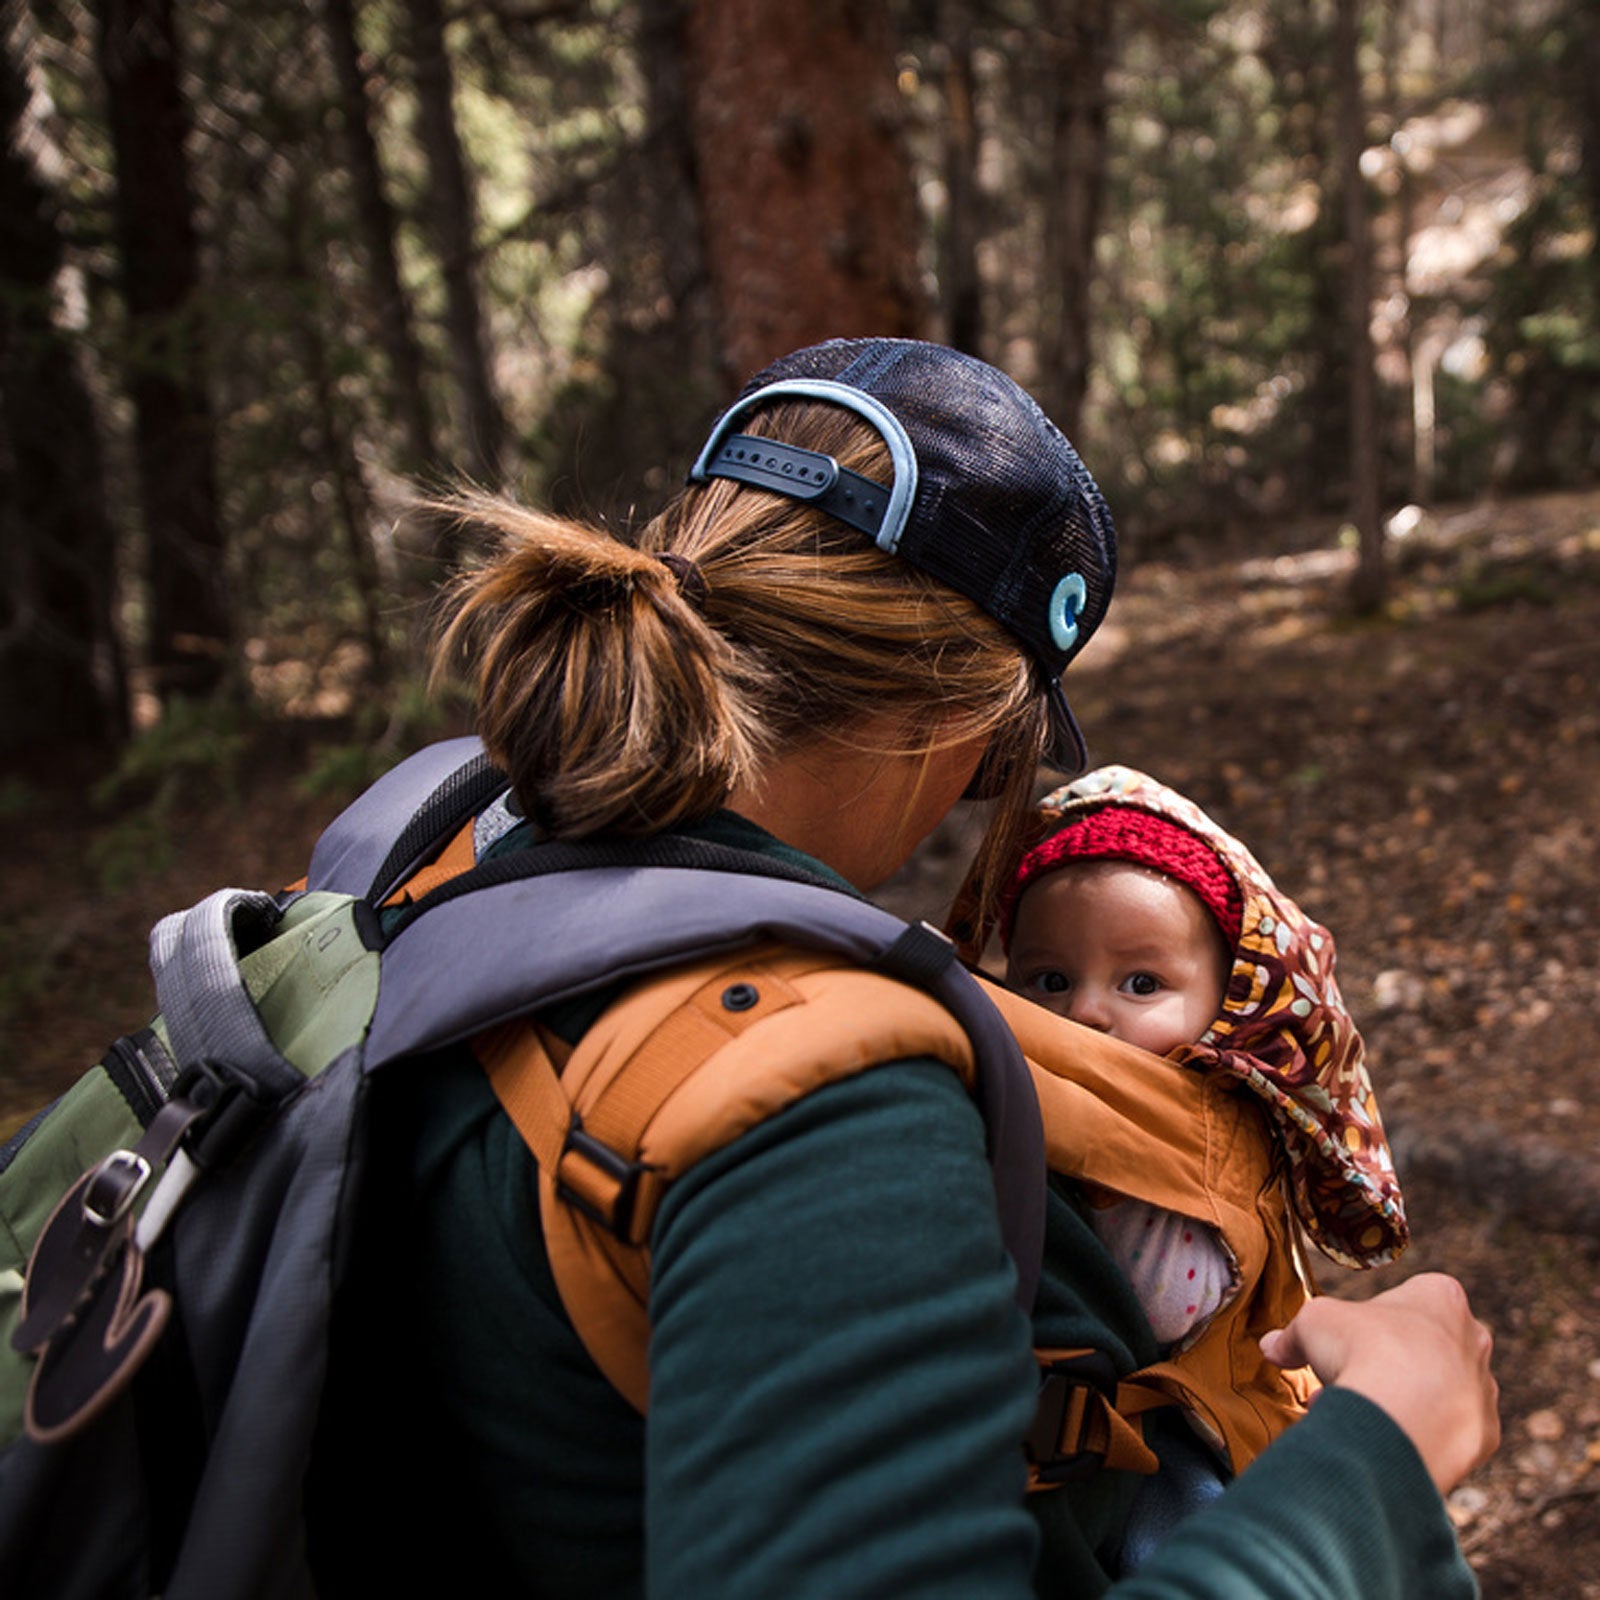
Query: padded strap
[[382, 836], [202, 997], [464, 962], [677, 1069]]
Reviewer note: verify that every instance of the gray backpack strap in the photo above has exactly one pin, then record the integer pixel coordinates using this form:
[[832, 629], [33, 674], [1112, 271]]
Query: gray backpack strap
[[381, 837]]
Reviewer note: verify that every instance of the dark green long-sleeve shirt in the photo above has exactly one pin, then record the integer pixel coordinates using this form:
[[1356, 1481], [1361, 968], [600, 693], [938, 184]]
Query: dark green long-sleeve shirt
[[840, 1381]]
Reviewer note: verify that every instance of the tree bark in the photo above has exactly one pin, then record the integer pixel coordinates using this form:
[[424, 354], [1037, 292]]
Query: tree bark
[[1420, 381], [375, 220], [59, 651], [804, 187], [960, 287], [1370, 585], [340, 467], [1585, 26], [1076, 54], [160, 260], [454, 217]]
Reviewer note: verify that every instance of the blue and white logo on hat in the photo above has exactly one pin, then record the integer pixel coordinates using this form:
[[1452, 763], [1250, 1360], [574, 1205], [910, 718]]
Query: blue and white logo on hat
[[1066, 603]]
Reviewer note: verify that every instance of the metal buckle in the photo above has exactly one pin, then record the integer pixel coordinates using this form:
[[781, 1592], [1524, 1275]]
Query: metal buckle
[[117, 1183]]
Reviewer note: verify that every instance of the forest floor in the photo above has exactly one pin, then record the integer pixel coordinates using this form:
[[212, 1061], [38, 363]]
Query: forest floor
[[1427, 785]]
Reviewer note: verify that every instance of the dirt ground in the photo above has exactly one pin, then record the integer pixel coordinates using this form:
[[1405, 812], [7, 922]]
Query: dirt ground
[[1427, 784]]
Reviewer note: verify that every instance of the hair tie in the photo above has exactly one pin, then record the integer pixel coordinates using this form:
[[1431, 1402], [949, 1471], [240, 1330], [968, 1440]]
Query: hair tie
[[691, 580]]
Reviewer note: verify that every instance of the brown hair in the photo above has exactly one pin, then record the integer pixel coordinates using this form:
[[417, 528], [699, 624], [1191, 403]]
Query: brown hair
[[619, 698]]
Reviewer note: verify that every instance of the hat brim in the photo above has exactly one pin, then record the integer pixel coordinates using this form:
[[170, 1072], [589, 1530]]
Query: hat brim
[[1066, 751]]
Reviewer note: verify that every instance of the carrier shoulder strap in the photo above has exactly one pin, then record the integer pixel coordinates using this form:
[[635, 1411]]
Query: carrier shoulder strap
[[675, 1070]]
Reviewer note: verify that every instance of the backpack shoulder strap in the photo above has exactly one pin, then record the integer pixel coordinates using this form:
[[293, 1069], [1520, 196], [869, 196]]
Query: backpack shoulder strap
[[384, 835], [675, 1070]]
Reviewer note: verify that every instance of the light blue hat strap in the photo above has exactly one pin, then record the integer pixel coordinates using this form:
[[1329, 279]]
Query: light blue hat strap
[[901, 454]]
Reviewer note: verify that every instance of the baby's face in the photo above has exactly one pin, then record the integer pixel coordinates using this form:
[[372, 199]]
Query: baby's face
[[1122, 949]]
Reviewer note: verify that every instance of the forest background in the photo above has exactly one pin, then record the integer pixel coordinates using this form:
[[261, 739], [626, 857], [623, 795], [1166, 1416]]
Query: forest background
[[1313, 286]]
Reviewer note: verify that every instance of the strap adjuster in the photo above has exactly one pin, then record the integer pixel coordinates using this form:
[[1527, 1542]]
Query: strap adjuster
[[1061, 1444], [113, 1188], [231, 1108], [603, 1185]]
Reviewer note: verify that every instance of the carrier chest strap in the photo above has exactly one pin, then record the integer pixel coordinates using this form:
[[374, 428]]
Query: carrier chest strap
[[1086, 1421]]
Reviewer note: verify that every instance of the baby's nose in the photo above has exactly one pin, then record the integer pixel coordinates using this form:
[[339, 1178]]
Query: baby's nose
[[1089, 1008]]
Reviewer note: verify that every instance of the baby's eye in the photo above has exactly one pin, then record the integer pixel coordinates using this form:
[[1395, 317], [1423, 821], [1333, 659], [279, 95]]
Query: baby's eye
[[1050, 981], [1142, 983]]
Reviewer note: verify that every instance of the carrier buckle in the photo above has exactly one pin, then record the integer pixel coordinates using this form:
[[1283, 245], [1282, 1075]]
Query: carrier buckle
[[601, 1184], [1061, 1444]]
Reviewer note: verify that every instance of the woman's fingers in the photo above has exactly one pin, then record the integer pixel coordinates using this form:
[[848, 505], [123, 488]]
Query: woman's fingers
[[1417, 1351]]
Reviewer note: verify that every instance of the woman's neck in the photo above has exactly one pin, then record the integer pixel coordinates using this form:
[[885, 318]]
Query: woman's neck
[[851, 805]]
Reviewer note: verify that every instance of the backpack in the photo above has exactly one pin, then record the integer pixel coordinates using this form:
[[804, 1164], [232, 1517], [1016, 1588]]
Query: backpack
[[204, 1174]]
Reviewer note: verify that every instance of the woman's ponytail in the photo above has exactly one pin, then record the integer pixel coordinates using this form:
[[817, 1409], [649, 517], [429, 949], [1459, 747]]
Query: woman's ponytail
[[602, 691]]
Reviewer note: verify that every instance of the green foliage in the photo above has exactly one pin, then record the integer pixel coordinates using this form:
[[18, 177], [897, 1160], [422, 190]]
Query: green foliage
[[199, 749], [1486, 589]]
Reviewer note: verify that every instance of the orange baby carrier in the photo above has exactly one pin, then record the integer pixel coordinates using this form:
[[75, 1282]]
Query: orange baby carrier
[[670, 1074]]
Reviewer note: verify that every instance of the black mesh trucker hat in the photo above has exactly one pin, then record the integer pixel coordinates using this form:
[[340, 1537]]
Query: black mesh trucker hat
[[987, 496]]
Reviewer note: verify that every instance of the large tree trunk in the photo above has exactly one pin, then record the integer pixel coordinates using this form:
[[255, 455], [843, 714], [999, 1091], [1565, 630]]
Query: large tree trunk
[[59, 654], [1371, 581], [805, 191], [454, 216], [160, 259], [1076, 54], [376, 222]]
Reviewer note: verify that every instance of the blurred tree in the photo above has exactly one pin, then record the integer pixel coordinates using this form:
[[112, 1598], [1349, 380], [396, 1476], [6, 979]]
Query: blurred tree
[[648, 372], [59, 653], [960, 290], [453, 214], [805, 191], [1543, 310], [189, 628], [1076, 55], [1299, 52], [1416, 424], [1370, 585], [375, 221], [330, 438]]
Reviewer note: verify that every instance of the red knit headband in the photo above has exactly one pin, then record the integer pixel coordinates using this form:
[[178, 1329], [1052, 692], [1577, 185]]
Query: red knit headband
[[1120, 833]]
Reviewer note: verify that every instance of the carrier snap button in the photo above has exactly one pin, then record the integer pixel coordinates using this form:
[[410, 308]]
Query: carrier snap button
[[740, 996]]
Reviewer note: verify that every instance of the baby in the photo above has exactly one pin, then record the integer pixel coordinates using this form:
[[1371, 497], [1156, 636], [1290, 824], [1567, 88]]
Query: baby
[[1136, 915]]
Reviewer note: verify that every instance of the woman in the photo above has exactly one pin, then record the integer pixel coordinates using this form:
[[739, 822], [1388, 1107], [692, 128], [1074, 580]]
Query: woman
[[857, 611]]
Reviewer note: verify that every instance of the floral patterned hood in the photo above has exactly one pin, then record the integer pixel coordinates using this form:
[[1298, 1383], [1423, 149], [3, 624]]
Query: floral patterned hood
[[1283, 1032]]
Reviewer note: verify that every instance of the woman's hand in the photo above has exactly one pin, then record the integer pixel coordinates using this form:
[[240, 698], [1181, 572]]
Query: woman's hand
[[1417, 1351]]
